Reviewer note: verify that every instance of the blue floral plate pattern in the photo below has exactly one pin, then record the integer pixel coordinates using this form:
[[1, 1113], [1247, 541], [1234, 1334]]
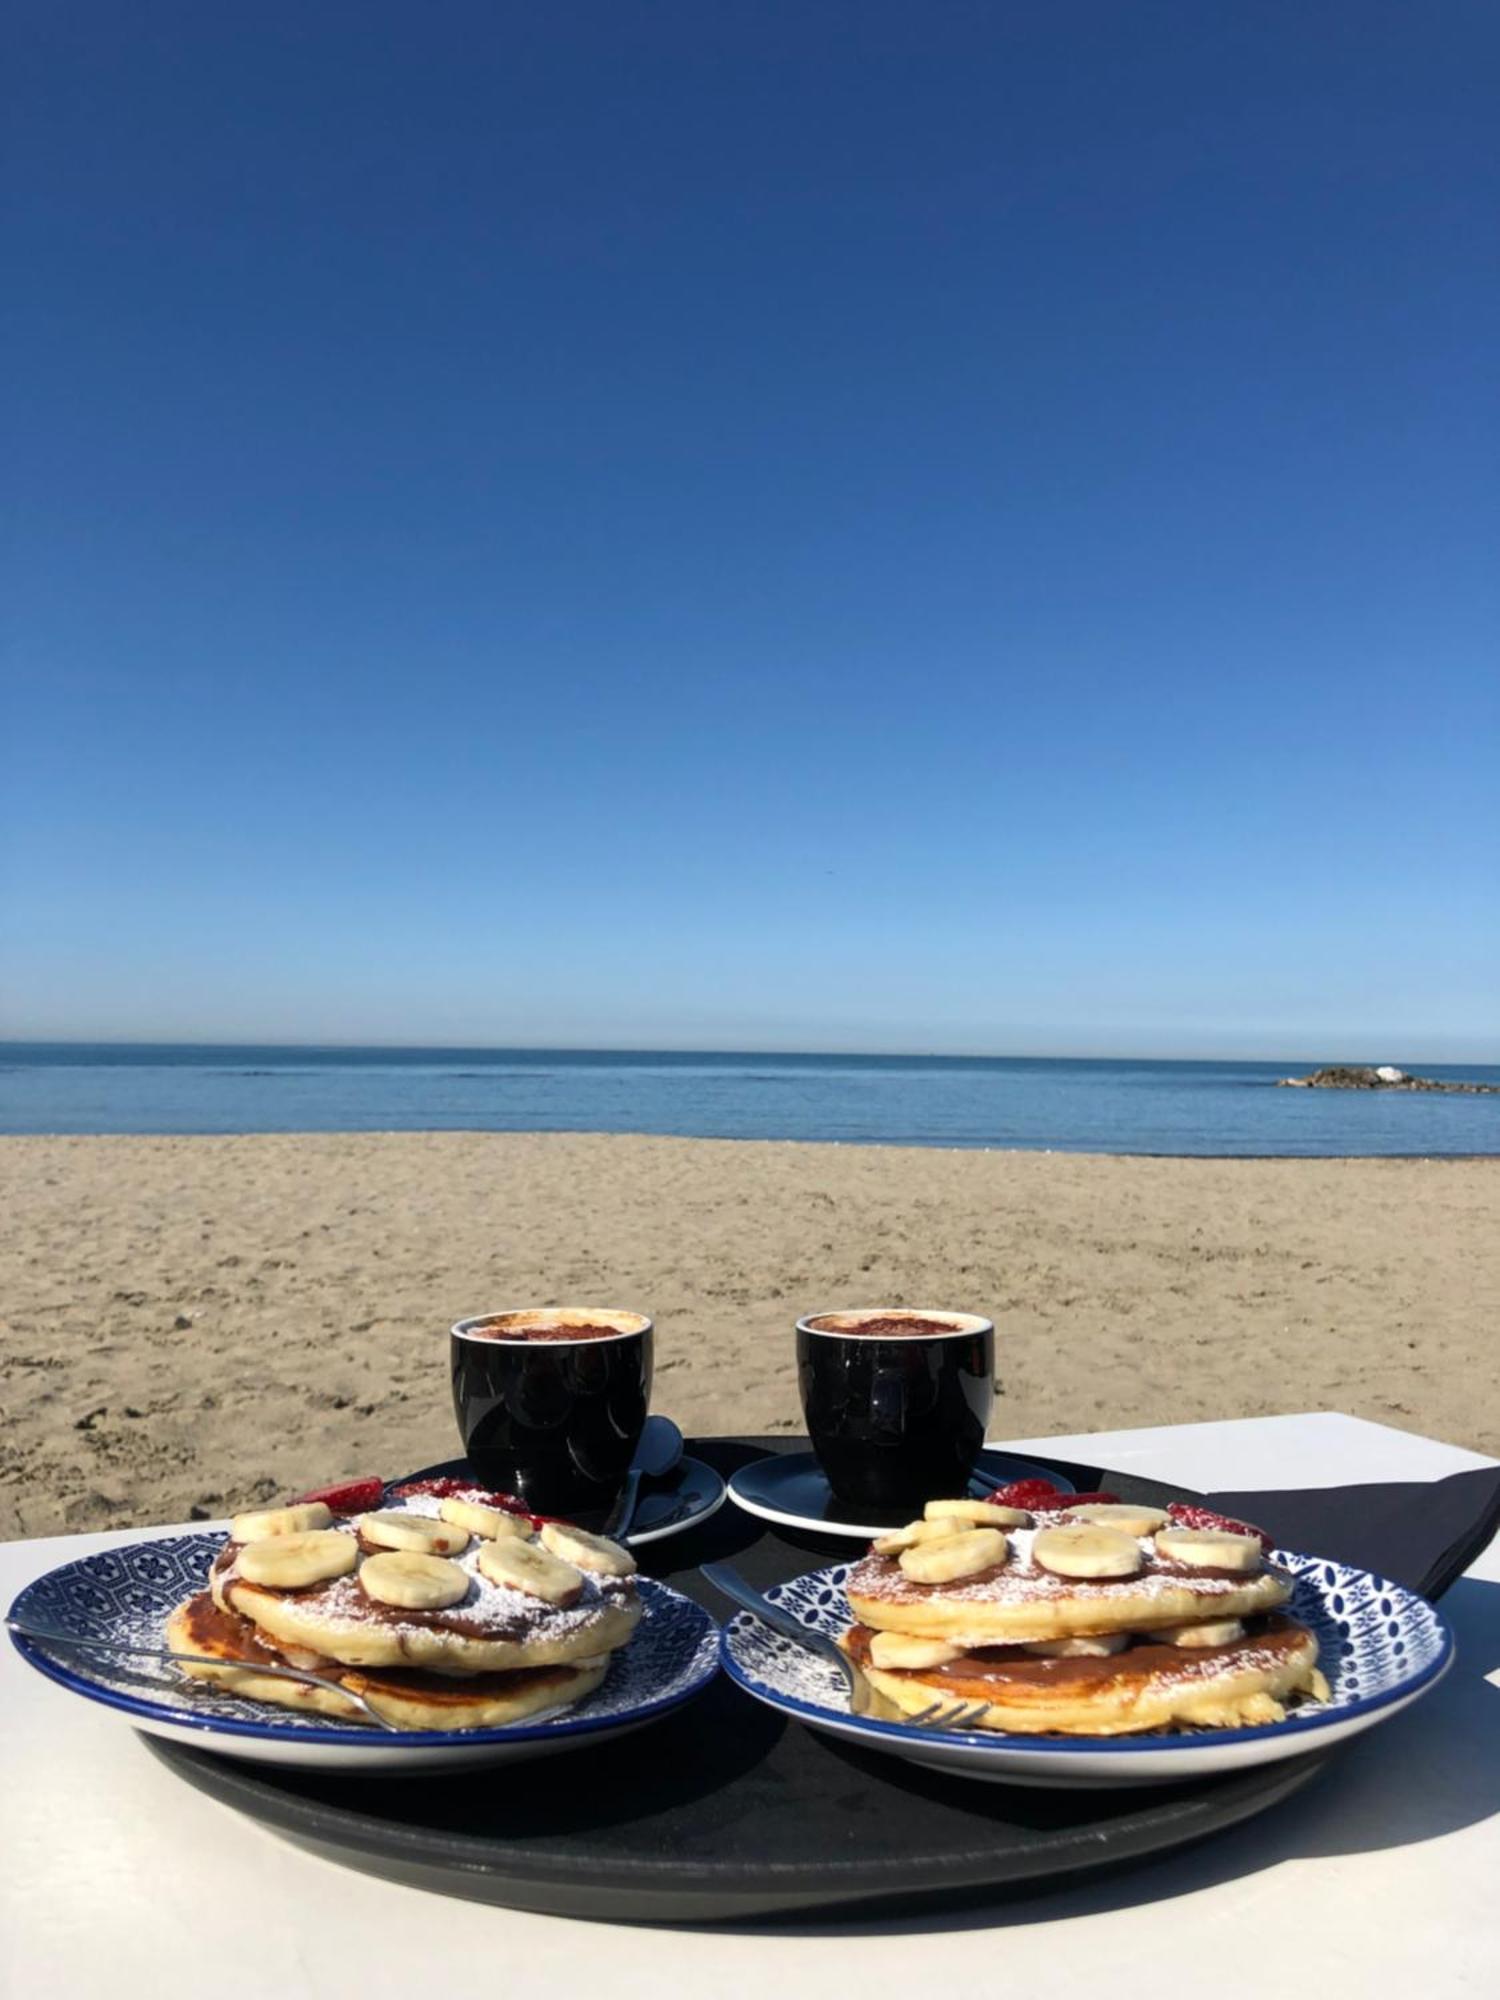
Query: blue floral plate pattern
[[1380, 1647], [126, 1594]]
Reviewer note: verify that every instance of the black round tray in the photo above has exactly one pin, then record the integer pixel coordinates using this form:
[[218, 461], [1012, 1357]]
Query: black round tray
[[727, 1810]]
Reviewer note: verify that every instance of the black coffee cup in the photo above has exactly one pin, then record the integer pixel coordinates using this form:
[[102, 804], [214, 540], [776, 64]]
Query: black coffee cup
[[551, 1401], [896, 1401]]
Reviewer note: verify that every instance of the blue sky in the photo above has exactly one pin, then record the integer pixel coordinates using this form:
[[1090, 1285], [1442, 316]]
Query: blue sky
[[776, 525]]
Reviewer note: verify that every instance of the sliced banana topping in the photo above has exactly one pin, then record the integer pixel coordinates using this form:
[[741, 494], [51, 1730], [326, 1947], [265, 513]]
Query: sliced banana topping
[[492, 1524], [1121, 1514], [978, 1513], [419, 1533], [1208, 1548], [291, 1562], [302, 1519], [1093, 1646], [412, 1581], [525, 1566], [914, 1533], [586, 1551], [1087, 1552], [1207, 1632], [901, 1649], [955, 1556]]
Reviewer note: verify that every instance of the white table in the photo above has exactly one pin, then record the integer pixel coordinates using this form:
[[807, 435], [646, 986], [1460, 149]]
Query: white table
[[1383, 1877]]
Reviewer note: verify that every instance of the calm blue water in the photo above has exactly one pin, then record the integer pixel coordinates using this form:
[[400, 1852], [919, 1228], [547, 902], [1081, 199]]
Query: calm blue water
[[1079, 1106]]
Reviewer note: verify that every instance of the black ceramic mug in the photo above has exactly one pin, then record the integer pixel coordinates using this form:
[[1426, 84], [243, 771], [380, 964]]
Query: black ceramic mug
[[896, 1401], [551, 1401]]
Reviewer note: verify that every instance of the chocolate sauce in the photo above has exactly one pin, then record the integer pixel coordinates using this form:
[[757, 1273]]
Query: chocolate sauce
[[1000, 1664], [236, 1639]]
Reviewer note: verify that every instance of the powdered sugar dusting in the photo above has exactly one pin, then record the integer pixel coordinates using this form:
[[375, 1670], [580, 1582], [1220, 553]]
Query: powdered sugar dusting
[[489, 1611]]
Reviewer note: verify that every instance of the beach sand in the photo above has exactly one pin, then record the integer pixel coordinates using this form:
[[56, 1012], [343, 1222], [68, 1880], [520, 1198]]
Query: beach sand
[[193, 1324]]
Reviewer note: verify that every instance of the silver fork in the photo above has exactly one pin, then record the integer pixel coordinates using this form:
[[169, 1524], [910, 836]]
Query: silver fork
[[937, 1715], [46, 1638]]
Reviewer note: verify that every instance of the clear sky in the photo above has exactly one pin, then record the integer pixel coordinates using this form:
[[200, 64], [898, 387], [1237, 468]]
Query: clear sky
[[754, 523]]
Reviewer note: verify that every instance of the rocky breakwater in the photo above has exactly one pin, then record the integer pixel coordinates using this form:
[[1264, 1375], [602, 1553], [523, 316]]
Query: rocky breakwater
[[1362, 1076]]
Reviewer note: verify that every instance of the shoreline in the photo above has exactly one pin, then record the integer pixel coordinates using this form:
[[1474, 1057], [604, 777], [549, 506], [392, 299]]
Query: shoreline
[[959, 1146], [204, 1321]]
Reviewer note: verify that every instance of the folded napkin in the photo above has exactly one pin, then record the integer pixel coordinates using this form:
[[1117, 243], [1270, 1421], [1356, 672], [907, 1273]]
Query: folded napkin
[[1423, 1533]]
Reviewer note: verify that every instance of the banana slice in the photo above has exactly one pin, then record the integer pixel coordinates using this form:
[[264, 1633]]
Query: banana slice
[[1208, 1548], [418, 1533], [955, 1556], [412, 1581], [1095, 1646], [1087, 1552], [586, 1551], [303, 1519], [1128, 1518], [1209, 1632], [493, 1524], [900, 1649], [525, 1566], [915, 1532], [291, 1562], [979, 1513]]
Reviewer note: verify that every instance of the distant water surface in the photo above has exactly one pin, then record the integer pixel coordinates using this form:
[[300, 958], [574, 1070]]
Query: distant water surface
[[1206, 1108]]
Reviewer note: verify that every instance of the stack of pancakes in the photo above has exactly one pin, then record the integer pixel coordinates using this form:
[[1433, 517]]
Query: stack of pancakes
[[1095, 1620], [442, 1612]]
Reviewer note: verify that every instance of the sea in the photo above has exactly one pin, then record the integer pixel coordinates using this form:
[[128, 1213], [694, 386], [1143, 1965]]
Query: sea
[[1204, 1109]]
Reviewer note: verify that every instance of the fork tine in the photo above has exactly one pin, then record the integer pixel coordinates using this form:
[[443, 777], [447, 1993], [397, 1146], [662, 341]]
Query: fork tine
[[960, 1716]]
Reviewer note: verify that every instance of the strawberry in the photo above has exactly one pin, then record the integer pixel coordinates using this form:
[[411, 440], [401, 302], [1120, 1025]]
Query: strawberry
[[1183, 1516], [1088, 1500], [1028, 1493], [350, 1496]]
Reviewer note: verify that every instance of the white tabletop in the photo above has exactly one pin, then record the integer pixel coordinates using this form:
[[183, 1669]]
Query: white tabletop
[[116, 1878]]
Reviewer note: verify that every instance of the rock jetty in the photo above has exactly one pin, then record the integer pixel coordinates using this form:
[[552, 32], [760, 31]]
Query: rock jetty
[[1382, 1076]]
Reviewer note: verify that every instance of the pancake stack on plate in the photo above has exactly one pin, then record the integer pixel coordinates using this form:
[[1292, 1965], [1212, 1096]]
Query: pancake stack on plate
[[1095, 1619], [443, 1610]]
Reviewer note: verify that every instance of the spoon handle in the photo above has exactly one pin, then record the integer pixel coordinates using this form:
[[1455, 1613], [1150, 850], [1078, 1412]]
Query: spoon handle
[[39, 1635], [617, 1521]]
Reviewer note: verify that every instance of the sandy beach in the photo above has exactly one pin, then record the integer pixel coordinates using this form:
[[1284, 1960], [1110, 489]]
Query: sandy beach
[[190, 1324]]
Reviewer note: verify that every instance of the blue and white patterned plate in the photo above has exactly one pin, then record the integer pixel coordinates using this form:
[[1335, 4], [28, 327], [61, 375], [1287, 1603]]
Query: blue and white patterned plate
[[127, 1593], [1380, 1647]]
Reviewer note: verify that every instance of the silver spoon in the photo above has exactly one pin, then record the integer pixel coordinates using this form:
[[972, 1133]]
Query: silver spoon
[[657, 1454], [43, 1637]]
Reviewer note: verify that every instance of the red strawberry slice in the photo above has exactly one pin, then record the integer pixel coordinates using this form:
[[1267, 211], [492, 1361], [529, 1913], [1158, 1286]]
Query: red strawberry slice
[[1183, 1515], [1089, 1500], [350, 1496]]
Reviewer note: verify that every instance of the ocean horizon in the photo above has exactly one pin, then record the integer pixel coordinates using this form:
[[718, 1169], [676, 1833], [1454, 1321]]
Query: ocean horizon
[[1091, 1104]]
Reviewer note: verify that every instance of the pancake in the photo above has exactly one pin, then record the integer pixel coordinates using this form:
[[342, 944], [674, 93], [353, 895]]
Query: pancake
[[1148, 1686], [1020, 1601], [409, 1699], [494, 1628]]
